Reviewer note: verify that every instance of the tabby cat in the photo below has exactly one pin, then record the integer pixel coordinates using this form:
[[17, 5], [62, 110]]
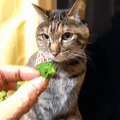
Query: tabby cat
[[63, 36]]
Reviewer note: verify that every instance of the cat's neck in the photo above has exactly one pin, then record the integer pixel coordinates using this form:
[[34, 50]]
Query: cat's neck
[[70, 62]]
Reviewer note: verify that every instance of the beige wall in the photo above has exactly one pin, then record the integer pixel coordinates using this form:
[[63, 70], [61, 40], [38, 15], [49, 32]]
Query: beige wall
[[17, 29], [48, 4]]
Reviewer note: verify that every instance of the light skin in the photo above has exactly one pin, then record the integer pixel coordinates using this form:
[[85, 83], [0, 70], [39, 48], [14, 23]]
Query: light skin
[[26, 96]]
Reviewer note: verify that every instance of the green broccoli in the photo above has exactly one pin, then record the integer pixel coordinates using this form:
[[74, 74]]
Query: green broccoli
[[47, 69], [20, 83], [3, 95]]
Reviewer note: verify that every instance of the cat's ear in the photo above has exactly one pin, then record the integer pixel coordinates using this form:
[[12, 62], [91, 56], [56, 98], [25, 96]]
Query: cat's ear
[[40, 12], [78, 10]]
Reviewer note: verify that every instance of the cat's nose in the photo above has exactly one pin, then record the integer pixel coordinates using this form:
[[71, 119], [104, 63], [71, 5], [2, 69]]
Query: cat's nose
[[55, 53]]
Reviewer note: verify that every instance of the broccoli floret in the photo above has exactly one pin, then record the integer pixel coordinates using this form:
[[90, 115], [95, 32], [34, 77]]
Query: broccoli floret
[[47, 69], [3, 95], [20, 83]]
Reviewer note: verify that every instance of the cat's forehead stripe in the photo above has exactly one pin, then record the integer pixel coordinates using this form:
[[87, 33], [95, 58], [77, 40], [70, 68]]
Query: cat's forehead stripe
[[58, 26], [58, 15]]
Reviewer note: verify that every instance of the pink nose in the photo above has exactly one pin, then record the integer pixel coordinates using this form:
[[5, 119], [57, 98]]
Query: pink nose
[[55, 53]]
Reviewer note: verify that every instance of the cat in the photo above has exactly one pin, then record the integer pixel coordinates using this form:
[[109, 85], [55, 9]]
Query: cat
[[63, 37]]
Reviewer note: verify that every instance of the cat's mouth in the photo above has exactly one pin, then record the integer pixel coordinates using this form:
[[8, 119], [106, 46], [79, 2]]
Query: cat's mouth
[[56, 59], [60, 57]]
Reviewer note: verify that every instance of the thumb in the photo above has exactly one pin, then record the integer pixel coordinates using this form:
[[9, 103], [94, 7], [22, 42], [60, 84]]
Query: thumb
[[23, 99]]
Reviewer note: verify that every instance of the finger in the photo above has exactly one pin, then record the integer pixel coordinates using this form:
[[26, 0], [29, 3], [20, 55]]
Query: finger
[[10, 86], [22, 100], [16, 73]]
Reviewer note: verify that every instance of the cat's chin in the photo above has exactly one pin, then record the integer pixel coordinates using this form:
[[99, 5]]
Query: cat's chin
[[57, 60]]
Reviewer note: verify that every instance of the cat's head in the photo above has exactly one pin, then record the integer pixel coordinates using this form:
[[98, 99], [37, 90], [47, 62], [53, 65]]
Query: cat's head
[[63, 36]]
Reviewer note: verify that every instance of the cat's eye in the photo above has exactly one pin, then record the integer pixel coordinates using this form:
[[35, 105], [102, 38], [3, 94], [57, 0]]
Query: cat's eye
[[67, 36], [45, 37]]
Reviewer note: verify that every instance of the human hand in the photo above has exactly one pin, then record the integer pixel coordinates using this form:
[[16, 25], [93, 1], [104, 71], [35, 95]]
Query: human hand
[[26, 96]]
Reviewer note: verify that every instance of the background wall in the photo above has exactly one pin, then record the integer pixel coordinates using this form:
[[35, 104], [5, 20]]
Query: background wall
[[98, 16], [18, 22], [47, 4]]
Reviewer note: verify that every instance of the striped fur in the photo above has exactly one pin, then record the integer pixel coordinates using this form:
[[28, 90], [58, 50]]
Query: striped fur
[[65, 44]]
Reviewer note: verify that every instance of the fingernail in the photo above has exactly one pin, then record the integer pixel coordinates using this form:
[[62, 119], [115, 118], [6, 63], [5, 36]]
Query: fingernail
[[40, 82]]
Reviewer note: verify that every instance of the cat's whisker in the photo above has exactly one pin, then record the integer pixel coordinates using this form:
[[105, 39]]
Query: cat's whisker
[[89, 60], [66, 51], [90, 42]]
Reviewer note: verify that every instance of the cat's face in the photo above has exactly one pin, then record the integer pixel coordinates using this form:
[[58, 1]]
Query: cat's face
[[63, 37]]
